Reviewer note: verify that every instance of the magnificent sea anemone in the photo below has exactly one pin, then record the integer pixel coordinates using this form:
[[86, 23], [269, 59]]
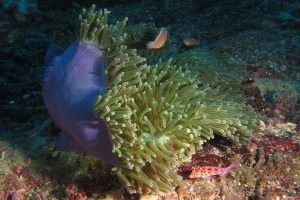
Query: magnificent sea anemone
[[159, 105]]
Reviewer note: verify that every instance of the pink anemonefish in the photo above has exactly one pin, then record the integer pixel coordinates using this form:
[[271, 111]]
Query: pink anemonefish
[[190, 42], [159, 41]]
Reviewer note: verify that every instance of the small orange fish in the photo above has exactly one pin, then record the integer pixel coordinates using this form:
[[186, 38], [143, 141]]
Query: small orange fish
[[159, 41], [190, 42], [207, 171]]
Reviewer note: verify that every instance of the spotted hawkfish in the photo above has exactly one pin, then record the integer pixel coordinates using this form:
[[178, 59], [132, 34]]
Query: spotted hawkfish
[[207, 171]]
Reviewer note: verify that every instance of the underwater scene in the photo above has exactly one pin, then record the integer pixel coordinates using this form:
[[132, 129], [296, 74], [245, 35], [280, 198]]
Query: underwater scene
[[149, 100]]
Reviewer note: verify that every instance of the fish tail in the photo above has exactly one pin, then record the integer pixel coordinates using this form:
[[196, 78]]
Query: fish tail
[[235, 161], [234, 165]]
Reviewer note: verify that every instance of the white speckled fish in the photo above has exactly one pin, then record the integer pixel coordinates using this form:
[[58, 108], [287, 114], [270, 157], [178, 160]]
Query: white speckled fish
[[207, 171]]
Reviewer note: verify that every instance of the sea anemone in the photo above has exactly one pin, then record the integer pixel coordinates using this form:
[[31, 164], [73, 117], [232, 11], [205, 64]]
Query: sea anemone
[[159, 114]]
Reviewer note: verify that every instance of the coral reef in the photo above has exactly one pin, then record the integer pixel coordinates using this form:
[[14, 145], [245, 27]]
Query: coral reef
[[282, 94], [270, 165], [159, 114], [256, 38], [20, 7]]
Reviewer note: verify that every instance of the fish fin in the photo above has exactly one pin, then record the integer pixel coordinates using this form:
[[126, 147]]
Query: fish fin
[[225, 172], [234, 165], [206, 177], [235, 161]]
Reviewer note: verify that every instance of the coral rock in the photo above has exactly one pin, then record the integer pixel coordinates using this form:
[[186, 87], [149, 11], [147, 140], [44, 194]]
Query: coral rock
[[20, 7]]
